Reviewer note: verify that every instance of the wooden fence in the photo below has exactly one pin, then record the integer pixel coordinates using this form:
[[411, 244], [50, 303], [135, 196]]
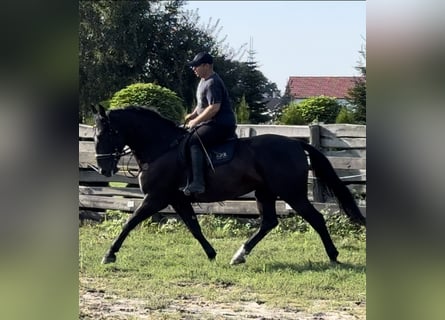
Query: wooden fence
[[343, 144]]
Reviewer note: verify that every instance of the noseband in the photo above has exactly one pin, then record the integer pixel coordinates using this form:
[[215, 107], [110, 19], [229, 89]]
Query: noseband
[[116, 154]]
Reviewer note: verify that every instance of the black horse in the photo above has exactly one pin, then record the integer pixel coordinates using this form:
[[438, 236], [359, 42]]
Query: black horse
[[271, 165]]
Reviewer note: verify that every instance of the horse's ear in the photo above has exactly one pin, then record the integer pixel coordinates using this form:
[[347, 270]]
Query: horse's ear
[[93, 108], [102, 110]]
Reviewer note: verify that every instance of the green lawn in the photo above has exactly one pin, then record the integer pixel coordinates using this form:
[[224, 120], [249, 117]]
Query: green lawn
[[289, 268]]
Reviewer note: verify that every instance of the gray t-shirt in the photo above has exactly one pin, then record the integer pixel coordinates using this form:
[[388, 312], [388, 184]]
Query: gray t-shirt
[[210, 91]]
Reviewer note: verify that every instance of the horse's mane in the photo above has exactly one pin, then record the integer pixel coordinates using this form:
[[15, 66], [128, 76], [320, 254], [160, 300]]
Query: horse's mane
[[144, 111]]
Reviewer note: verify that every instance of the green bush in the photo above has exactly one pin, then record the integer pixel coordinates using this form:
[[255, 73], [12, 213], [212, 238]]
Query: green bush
[[314, 109], [150, 95], [345, 116], [291, 115]]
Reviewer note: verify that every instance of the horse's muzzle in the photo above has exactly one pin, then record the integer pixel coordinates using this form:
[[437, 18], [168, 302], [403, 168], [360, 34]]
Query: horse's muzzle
[[108, 173]]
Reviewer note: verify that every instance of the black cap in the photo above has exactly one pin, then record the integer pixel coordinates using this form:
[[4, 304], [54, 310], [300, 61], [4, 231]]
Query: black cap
[[200, 58]]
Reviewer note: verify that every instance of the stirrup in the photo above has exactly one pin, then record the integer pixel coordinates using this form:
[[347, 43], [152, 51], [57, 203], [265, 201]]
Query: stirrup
[[188, 192], [185, 189], [199, 189]]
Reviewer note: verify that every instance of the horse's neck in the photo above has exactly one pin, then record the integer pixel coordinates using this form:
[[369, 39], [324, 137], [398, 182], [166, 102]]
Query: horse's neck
[[153, 149], [148, 142]]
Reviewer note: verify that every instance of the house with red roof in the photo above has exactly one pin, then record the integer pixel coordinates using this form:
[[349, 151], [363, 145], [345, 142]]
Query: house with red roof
[[301, 88]]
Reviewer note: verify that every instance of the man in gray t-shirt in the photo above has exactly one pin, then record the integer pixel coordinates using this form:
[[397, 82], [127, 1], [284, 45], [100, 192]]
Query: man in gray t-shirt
[[213, 119]]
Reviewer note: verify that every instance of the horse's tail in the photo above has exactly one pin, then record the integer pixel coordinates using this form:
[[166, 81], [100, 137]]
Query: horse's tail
[[328, 178]]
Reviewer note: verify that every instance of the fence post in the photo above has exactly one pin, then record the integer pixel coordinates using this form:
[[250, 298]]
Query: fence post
[[318, 192]]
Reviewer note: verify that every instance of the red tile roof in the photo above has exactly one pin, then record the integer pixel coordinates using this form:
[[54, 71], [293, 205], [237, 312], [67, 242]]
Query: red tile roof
[[304, 87]]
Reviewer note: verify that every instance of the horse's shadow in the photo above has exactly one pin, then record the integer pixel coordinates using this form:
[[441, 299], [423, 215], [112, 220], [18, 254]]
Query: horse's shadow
[[312, 266]]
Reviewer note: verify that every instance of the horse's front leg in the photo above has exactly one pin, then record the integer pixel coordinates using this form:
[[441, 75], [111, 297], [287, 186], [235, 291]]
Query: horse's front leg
[[146, 209], [187, 214]]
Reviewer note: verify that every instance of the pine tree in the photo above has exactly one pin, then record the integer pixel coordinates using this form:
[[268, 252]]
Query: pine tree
[[253, 84], [357, 94]]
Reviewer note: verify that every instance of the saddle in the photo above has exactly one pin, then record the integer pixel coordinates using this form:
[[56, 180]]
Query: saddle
[[219, 154], [215, 156]]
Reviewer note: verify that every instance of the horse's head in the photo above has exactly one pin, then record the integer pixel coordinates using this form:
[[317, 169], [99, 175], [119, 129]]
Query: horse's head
[[109, 143]]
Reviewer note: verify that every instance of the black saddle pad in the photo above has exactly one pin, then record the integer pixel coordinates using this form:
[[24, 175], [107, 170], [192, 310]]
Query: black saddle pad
[[219, 154], [222, 153]]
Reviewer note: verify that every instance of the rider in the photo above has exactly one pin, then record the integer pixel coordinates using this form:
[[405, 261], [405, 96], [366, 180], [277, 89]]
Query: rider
[[213, 119]]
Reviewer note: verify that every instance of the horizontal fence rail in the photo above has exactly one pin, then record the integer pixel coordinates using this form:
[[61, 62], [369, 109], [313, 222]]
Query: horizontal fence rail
[[343, 144]]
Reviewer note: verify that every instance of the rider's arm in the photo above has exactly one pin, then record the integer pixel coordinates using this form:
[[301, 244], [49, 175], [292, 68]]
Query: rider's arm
[[192, 115], [207, 114]]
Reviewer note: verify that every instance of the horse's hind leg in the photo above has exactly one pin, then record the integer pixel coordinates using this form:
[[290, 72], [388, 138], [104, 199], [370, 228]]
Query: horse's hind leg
[[147, 208], [266, 207], [307, 211]]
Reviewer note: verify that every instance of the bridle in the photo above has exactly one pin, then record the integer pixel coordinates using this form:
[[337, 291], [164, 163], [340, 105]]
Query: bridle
[[115, 156]]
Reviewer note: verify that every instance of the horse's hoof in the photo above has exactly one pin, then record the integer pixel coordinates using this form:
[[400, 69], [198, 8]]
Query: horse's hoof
[[238, 260], [109, 258], [335, 262], [212, 256], [239, 257]]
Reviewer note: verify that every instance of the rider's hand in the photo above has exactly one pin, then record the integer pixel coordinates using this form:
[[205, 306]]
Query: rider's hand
[[188, 117], [192, 123]]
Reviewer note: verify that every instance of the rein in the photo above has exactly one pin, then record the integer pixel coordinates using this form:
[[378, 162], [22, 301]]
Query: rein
[[115, 154]]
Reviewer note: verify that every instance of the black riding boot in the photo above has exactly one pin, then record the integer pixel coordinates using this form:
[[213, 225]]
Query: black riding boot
[[197, 185]]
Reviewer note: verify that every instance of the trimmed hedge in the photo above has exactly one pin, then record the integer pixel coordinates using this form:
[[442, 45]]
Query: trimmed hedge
[[150, 95], [313, 109]]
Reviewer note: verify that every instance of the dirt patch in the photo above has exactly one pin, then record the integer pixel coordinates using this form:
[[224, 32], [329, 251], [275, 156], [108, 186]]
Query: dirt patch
[[96, 304]]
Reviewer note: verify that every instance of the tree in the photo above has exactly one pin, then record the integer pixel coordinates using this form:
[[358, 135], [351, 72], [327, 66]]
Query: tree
[[285, 101], [177, 39], [113, 49], [242, 79], [126, 42], [245, 80], [357, 94], [253, 84], [242, 111]]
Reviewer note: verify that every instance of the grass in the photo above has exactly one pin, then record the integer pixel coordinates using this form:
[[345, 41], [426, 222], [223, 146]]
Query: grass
[[163, 263]]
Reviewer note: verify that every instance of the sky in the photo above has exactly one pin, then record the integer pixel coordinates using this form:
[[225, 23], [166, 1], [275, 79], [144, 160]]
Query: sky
[[292, 38]]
